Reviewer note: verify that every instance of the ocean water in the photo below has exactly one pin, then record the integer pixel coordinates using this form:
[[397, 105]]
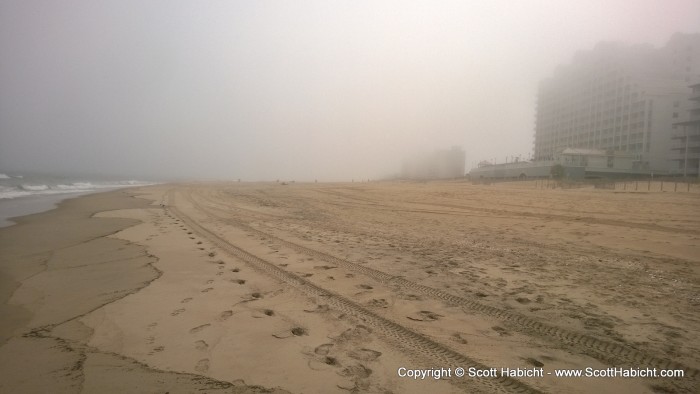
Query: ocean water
[[24, 194]]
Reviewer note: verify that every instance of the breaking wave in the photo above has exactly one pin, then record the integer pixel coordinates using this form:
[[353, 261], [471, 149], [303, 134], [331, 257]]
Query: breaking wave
[[29, 189]]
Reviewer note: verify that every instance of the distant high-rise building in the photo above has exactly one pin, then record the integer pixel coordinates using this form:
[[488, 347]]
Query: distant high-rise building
[[441, 164], [619, 98]]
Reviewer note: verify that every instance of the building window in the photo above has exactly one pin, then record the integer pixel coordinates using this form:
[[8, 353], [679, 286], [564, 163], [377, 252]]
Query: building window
[[675, 114]]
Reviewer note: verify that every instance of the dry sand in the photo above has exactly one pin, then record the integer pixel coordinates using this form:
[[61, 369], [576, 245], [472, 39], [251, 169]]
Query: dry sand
[[323, 288]]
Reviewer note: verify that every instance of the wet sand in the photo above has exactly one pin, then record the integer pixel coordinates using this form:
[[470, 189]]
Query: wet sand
[[57, 267], [321, 288]]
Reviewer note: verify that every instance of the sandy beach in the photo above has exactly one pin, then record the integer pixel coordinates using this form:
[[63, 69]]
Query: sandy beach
[[336, 288]]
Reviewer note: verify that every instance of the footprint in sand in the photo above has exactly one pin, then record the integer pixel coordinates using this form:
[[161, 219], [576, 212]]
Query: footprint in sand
[[199, 328], [322, 362], [152, 326], [210, 281], [201, 345], [359, 332], [202, 365], [299, 331], [208, 289], [223, 316], [457, 337], [424, 316], [186, 300], [365, 354], [328, 360], [359, 375], [365, 287], [318, 309], [177, 312], [500, 330], [535, 362], [256, 295], [323, 349], [155, 350], [294, 332], [378, 303], [324, 267], [258, 314], [239, 281]]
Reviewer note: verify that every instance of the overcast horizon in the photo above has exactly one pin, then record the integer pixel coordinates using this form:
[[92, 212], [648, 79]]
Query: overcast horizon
[[265, 90]]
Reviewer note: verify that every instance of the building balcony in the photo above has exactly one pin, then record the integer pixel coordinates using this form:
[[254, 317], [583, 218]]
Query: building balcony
[[681, 156], [680, 142], [691, 126]]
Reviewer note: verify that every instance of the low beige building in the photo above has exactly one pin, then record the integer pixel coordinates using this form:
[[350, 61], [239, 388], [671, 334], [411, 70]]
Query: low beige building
[[597, 159]]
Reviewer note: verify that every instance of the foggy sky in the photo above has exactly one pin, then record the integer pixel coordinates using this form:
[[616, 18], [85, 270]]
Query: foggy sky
[[264, 90]]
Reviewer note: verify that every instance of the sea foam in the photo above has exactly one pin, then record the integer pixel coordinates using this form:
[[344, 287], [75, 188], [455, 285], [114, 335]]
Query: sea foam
[[30, 189]]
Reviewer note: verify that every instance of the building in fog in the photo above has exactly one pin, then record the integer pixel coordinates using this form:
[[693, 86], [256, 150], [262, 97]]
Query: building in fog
[[622, 99], [685, 138], [441, 164]]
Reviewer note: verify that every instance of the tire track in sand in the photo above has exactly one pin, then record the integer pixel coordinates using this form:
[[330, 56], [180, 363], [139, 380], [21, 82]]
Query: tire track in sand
[[605, 351], [395, 332]]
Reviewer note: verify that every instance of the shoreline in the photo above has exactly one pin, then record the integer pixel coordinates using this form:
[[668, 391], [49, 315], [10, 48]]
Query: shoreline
[[62, 264], [15, 208], [18, 207], [26, 245]]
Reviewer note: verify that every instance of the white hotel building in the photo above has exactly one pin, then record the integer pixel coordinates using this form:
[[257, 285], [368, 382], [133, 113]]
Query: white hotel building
[[620, 98]]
